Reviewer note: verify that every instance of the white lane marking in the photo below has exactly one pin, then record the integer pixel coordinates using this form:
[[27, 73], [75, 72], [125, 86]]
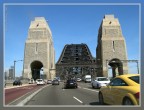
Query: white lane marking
[[79, 87], [23, 102], [19, 98], [77, 99], [90, 90]]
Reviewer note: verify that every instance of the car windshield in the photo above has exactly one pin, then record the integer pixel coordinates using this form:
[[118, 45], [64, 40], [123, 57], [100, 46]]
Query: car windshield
[[102, 79], [39, 80], [135, 79]]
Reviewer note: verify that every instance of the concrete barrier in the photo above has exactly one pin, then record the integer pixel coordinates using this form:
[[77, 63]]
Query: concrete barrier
[[11, 86]]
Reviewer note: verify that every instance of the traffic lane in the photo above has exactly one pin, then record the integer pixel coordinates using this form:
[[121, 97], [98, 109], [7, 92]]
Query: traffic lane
[[87, 86], [83, 84], [87, 96], [56, 95], [53, 95], [14, 93]]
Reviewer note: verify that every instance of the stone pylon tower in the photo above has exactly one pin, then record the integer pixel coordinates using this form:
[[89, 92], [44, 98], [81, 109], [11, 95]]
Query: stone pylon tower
[[111, 49], [39, 53]]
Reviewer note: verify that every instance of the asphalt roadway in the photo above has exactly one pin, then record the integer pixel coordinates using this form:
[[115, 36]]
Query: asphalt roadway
[[57, 95]]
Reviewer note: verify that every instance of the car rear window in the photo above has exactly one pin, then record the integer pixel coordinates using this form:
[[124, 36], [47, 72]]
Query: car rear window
[[102, 79], [70, 81], [135, 79]]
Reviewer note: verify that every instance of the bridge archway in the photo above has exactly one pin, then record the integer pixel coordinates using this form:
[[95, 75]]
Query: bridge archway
[[36, 67], [116, 64]]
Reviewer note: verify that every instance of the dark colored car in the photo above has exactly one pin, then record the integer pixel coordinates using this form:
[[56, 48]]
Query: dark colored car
[[55, 82], [17, 82], [70, 83]]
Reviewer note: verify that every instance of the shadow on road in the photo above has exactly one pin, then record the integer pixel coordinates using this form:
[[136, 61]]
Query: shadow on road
[[97, 103], [92, 88], [94, 103]]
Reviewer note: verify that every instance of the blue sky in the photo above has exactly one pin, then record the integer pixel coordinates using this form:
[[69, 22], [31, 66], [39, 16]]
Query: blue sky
[[69, 24]]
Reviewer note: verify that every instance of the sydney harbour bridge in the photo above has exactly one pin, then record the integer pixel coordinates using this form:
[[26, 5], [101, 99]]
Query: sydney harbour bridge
[[75, 59]]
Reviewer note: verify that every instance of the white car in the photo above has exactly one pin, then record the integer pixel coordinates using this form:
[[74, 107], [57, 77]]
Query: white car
[[98, 82], [40, 82], [49, 81], [87, 78], [79, 79]]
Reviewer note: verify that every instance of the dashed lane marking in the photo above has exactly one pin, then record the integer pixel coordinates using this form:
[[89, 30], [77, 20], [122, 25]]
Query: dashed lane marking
[[91, 90], [77, 99]]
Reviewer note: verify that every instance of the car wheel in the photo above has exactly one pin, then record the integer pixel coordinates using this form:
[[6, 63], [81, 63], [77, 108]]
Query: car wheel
[[127, 101], [93, 86], [101, 101]]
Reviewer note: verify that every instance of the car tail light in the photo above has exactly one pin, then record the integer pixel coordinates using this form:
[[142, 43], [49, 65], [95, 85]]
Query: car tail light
[[137, 95]]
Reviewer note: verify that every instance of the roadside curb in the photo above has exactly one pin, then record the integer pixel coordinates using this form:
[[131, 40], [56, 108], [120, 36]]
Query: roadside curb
[[22, 103]]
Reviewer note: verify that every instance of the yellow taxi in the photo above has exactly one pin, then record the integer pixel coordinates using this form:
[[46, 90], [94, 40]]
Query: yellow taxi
[[122, 90]]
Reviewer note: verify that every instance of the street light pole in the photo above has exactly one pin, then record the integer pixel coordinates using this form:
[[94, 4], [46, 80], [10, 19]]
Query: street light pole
[[14, 68]]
